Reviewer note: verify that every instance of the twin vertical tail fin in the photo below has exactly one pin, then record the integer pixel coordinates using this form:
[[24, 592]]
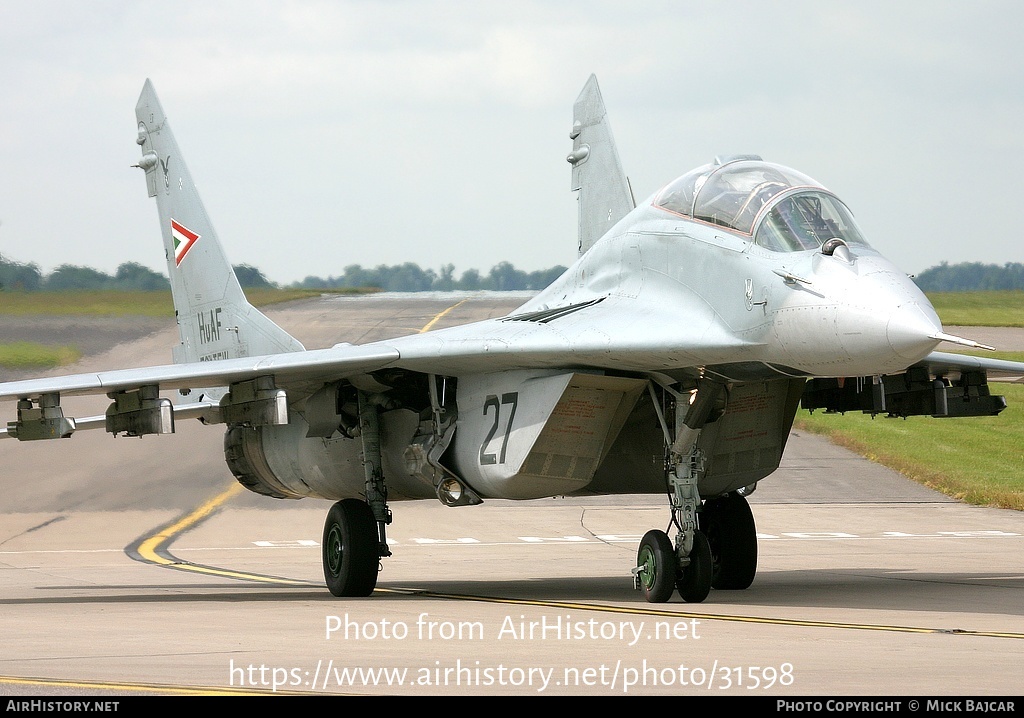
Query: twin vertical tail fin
[[215, 320], [604, 193]]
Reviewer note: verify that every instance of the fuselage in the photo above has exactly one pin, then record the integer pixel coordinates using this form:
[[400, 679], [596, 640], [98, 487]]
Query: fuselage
[[820, 302], [765, 283]]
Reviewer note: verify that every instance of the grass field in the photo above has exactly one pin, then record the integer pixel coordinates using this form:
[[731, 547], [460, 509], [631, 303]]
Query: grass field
[[979, 460], [30, 355], [980, 309]]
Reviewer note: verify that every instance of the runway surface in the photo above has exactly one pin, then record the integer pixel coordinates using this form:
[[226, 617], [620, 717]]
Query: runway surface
[[139, 566]]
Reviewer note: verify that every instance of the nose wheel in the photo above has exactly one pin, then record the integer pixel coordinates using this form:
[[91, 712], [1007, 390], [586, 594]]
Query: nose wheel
[[658, 572], [656, 567], [694, 583], [730, 529]]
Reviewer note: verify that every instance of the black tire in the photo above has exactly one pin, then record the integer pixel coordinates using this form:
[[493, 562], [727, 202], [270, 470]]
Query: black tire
[[656, 561], [694, 582], [350, 549], [729, 525]]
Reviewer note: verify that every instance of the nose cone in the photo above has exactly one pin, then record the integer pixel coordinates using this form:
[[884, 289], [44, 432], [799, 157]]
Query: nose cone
[[911, 331]]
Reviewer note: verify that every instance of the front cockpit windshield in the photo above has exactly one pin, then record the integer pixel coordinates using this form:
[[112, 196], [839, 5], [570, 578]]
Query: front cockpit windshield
[[806, 220], [785, 210]]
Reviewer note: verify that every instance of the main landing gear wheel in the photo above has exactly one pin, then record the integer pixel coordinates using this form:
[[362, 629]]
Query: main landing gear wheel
[[694, 582], [656, 566], [350, 549], [729, 525]]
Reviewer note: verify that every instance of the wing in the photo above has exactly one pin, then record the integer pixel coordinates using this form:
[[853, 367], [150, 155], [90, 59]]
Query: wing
[[292, 370], [942, 364], [256, 384]]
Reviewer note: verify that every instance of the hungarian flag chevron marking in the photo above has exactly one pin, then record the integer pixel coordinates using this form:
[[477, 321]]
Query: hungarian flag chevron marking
[[183, 239]]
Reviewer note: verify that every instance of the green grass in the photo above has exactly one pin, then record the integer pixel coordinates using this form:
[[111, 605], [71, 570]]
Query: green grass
[[979, 460], [115, 303], [979, 309], [87, 303], [29, 355]]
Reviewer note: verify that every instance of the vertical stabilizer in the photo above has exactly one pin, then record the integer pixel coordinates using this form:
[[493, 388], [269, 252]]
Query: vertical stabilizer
[[215, 321], [604, 195]]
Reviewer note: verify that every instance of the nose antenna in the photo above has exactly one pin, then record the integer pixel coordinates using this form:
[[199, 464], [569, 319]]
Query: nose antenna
[[941, 336]]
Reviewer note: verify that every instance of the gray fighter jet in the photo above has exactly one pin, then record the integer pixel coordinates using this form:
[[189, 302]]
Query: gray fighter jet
[[670, 358]]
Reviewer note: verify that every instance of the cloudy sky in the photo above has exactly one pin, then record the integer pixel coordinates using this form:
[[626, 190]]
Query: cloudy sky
[[324, 134]]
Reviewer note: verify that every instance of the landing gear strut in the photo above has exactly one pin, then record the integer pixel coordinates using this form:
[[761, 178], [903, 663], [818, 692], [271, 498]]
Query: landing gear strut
[[689, 564], [355, 536]]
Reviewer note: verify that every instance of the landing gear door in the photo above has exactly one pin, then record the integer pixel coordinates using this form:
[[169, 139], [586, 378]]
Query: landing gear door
[[528, 435]]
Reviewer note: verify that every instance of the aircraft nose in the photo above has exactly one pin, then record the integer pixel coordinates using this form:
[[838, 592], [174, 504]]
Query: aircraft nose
[[911, 331]]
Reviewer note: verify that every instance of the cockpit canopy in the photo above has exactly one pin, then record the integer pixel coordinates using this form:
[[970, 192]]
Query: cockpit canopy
[[785, 210]]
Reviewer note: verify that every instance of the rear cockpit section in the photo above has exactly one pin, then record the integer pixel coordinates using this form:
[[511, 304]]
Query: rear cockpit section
[[782, 209]]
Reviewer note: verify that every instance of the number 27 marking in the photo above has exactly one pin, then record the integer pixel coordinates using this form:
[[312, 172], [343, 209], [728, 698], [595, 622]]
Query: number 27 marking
[[511, 398]]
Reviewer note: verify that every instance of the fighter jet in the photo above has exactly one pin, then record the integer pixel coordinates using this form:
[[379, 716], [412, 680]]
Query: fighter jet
[[670, 358]]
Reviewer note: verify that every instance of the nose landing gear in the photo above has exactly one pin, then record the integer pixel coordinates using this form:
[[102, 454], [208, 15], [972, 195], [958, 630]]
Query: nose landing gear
[[716, 545]]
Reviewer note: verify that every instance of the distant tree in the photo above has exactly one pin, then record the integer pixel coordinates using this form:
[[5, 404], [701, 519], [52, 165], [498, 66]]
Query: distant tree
[[406, 277], [504, 277], [445, 281], [316, 283], [19, 277], [356, 276], [250, 277], [409, 277], [68, 277], [131, 275], [971, 277], [470, 280], [543, 277]]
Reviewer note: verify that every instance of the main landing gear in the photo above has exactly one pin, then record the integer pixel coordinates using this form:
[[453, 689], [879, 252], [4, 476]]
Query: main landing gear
[[716, 543], [355, 535], [350, 549]]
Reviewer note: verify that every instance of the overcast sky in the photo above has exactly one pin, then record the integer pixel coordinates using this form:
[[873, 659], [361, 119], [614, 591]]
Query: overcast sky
[[324, 134]]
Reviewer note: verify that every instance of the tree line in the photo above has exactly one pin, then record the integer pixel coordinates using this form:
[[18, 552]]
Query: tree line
[[409, 277], [130, 276], [971, 277]]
